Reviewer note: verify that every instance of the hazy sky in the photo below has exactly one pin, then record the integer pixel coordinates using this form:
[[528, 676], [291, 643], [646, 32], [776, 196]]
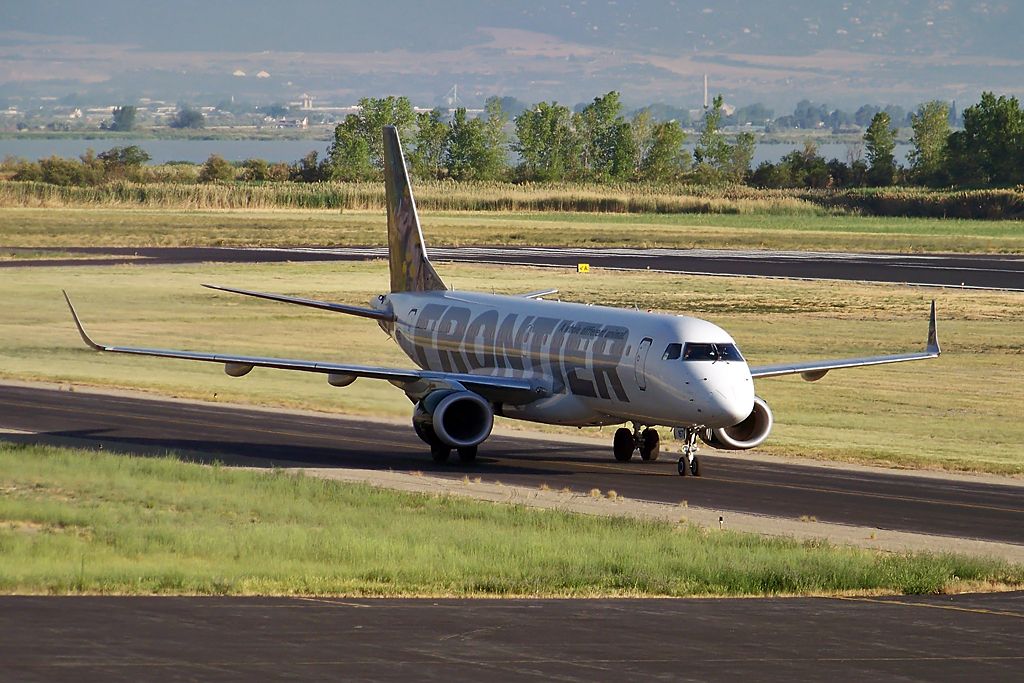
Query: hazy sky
[[900, 51]]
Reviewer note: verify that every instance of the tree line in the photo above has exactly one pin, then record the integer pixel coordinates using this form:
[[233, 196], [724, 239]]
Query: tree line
[[550, 143], [598, 143], [987, 152]]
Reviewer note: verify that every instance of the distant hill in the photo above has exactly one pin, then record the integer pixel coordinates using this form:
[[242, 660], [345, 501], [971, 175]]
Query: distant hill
[[899, 51]]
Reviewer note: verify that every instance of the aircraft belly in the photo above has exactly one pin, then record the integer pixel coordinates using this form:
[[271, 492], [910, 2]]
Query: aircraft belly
[[561, 409]]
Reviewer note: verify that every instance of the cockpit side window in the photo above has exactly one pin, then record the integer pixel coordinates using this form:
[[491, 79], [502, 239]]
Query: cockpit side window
[[672, 352], [711, 352]]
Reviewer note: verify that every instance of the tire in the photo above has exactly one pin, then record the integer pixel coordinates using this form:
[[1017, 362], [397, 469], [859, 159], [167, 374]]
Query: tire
[[439, 453], [650, 445], [682, 467], [467, 455], [623, 444], [695, 466]]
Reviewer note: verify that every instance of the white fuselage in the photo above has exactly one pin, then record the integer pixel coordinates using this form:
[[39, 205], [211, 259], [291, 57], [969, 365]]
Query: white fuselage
[[604, 365]]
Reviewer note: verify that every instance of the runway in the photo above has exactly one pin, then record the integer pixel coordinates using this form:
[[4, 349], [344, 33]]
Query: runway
[[938, 270], [961, 638], [960, 507]]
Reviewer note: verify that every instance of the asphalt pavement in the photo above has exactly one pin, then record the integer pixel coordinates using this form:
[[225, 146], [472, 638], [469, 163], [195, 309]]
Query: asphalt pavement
[[947, 638], [941, 270], [955, 507]]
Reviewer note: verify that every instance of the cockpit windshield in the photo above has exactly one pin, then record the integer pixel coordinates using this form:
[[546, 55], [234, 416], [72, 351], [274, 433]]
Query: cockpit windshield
[[711, 352]]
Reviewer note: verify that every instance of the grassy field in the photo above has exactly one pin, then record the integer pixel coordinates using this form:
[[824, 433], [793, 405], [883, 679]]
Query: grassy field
[[961, 412], [62, 227], [75, 521]]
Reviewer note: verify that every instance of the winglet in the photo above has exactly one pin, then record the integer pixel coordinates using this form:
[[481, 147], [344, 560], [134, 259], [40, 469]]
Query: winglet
[[78, 323], [933, 335]]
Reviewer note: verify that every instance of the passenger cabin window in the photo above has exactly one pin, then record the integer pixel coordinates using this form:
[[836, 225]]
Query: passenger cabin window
[[711, 352], [672, 352]]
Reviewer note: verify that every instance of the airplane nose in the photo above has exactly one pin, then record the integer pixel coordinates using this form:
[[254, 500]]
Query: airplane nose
[[731, 404]]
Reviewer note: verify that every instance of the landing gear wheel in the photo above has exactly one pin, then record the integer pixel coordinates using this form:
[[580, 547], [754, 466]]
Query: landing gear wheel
[[623, 444], [439, 452], [467, 454], [650, 445], [682, 467], [695, 466]]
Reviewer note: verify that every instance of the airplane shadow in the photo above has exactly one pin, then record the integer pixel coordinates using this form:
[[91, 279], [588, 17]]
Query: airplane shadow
[[498, 459]]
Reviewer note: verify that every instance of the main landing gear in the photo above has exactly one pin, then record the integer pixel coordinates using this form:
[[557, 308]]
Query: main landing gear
[[689, 464], [439, 451], [647, 441]]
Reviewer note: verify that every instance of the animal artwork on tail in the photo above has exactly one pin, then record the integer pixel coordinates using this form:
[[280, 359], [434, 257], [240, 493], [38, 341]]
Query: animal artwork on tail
[[531, 358]]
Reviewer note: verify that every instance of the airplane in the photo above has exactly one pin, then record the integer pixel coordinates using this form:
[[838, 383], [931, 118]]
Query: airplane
[[532, 358]]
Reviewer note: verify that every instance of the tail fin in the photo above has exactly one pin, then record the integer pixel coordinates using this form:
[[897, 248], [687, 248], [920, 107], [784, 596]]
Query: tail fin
[[410, 268]]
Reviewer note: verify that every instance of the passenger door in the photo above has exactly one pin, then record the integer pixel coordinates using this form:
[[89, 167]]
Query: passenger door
[[640, 362]]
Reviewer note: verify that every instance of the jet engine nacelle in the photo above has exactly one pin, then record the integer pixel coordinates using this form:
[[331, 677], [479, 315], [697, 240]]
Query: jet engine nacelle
[[460, 419], [749, 433]]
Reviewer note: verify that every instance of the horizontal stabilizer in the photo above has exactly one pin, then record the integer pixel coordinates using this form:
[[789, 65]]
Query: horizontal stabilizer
[[312, 303], [539, 293]]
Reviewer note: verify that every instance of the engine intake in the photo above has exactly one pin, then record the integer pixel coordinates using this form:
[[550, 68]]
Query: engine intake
[[459, 419], [749, 433]]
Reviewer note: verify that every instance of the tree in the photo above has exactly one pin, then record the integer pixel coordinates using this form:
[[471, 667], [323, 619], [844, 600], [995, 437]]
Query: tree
[[307, 170], [742, 155], [716, 159], [497, 140], [358, 149], [188, 118], [712, 153], [510, 105], [276, 111], [348, 157], [118, 162], [864, 115], [546, 142], [880, 143], [466, 143], [216, 168], [60, 171], [666, 159], [427, 157], [124, 118], [990, 148], [255, 170], [930, 141], [597, 125]]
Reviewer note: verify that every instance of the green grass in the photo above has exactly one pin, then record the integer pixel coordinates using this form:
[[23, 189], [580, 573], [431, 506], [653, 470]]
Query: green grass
[[75, 521], [960, 412], [63, 227]]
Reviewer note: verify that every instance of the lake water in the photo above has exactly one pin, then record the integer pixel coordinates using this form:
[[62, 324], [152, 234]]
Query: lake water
[[197, 151]]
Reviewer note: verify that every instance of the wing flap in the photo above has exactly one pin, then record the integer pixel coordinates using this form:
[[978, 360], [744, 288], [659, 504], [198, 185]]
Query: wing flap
[[815, 370]]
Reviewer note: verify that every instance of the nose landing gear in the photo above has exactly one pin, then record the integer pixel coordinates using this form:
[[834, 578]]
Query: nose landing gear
[[689, 464]]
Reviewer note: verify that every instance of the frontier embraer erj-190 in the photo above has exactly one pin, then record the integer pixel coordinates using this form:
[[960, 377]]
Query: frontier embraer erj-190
[[530, 358]]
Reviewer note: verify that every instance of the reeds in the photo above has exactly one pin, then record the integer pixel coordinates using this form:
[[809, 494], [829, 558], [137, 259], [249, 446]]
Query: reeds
[[181, 193], [433, 196]]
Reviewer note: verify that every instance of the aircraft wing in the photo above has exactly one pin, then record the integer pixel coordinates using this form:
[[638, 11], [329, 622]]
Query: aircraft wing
[[416, 383], [815, 370]]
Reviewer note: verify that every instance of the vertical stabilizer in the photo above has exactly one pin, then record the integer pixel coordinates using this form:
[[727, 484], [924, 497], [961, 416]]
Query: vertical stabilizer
[[410, 269]]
